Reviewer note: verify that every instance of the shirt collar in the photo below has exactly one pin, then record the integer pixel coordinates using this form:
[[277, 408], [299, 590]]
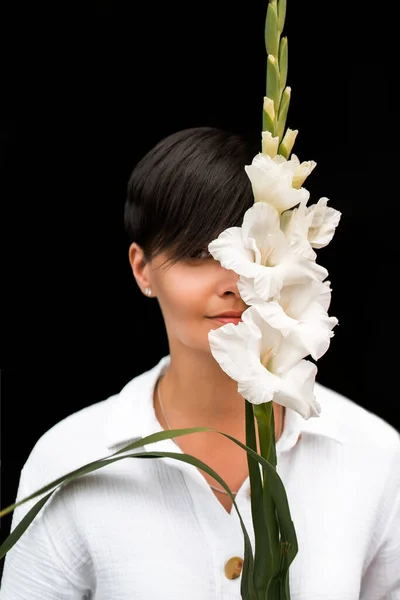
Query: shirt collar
[[133, 416]]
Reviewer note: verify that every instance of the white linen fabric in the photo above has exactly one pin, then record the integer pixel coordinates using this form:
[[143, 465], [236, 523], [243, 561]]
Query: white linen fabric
[[145, 529]]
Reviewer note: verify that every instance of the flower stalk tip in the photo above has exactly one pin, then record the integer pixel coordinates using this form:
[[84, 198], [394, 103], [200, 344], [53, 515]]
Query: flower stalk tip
[[276, 77]]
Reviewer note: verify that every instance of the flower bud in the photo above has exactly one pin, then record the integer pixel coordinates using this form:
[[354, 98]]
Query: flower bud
[[269, 144], [287, 143]]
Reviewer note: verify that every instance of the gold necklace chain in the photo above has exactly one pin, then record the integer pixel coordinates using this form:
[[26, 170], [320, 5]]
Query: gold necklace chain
[[217, 489]]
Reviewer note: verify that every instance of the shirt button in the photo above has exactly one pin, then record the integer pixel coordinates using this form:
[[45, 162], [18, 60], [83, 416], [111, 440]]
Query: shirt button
[[233, 567]]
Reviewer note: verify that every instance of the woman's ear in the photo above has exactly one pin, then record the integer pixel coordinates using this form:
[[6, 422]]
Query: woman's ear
[[140, 268]]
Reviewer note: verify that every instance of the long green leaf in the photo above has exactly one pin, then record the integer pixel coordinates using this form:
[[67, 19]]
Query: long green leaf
[[22, 526], [153, 437]]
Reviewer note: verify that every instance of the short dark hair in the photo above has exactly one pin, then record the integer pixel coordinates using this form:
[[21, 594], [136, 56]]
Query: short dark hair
[[187, 189]]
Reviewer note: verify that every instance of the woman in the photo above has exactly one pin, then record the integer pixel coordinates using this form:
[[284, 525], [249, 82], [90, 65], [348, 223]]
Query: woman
[[194, 174], [150, 529]]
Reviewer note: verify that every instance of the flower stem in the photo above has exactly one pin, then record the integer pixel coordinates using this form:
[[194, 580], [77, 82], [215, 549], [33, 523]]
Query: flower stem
[[263, 560], [264, 414], [266, 433]]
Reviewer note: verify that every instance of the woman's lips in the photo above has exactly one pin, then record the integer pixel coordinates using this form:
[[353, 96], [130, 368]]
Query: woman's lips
[[234, 320]]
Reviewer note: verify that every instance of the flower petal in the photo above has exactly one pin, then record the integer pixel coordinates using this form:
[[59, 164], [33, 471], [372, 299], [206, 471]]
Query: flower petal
[[236, 348], [297, 390], [229, 249], [295, 298], [306, 304], [295, 224], [261, 229], [269, 281], [247, 291], [271, 180], [302, 172], [240, 349], [323, 224], [270, 143]]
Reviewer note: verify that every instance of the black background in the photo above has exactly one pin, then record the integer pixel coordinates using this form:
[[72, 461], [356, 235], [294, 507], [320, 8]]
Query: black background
[[85, 96]]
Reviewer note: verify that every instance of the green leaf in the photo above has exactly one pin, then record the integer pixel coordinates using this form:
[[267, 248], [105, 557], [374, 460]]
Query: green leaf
[[22, 526], [154, 437]]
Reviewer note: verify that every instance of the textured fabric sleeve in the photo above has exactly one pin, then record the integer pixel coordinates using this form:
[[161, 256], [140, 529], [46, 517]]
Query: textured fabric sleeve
[[42, 565], [381, 579]]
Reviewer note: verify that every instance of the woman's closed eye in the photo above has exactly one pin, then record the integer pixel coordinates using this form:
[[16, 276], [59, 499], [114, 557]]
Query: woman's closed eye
[[200, 254]]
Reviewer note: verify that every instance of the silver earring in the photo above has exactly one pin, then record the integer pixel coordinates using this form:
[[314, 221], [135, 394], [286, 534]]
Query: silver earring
[[148, 291]]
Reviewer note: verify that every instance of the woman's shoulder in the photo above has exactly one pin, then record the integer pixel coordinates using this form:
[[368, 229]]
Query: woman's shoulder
[[359, 427], [82, 436], [70, 443]]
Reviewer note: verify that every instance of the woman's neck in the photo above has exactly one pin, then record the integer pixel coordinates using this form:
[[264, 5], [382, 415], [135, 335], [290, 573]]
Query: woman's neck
[[197, 393]]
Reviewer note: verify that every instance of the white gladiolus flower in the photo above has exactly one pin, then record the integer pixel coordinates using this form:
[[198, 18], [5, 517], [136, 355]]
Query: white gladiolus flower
[[253, 353], [324, 221], [295, 299], [301, 316], [310, 226], [296, 224], [279, 279], [262, 255], [272, 181]]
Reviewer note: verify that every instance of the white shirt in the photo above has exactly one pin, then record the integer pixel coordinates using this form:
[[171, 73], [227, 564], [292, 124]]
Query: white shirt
[[146, 529]]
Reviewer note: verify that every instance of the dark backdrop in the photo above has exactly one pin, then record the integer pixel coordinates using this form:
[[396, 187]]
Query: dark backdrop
[[85, 96]]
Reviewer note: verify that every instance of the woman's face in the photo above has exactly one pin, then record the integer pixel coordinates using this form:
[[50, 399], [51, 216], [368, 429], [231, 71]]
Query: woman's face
[[189, 292]]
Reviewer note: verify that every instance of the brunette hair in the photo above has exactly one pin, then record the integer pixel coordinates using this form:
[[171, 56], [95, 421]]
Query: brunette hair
[[186, 190]]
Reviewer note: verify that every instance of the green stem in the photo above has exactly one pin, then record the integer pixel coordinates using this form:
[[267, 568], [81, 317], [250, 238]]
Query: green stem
[[266, 432], [264, 414], [263, 559]]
